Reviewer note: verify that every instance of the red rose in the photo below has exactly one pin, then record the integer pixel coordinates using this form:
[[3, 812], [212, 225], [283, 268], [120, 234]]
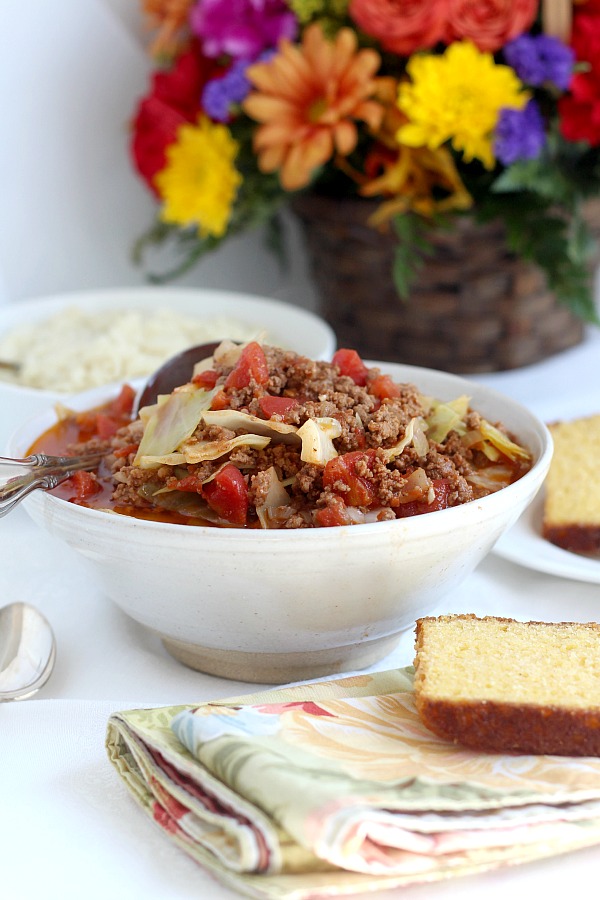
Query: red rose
[[579, 111], [585, 37], [173, 100], [489, 23], [401, 26]]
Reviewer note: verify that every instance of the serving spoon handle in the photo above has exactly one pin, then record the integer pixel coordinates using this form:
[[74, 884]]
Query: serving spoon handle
[[38, 471]]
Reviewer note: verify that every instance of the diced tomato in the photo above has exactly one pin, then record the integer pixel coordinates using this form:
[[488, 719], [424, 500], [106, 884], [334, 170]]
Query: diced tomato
[[125, 451], [359, 435], [190, 483], [206, 379], [276, 406], [85, 486], [109, 419], [383, 387], [333, 514], [86, 423], [251, 366], [345, 469], [123, 404], [106, 426], [220, 401], [441, 489], [349, 363], [227, 495]]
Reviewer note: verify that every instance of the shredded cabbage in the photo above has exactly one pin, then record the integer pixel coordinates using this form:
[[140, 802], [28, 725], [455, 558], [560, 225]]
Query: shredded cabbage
[[203, 365], [276, 496], [447, 417], [227, 353], [417, 486], [153, 462], [234, 419], [186, 503], [172, 422], [501, 442], [414, 434], [200, 451], [317, 437], [492, 478]]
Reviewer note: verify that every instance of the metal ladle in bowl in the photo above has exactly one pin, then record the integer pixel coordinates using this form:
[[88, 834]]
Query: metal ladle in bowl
[[42, 471]]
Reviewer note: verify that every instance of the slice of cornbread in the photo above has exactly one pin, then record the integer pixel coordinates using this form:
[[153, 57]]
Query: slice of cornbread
[[572, 489], [500, 685]]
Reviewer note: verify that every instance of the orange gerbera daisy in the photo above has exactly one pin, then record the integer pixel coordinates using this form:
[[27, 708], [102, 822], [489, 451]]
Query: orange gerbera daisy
[[308, 98], [169, 18]]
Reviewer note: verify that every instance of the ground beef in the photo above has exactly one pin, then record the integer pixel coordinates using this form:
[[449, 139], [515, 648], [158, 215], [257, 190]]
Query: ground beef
[[368, 479]]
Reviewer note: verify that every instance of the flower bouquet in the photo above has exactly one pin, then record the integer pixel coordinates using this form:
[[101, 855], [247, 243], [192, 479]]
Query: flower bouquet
[[428, 109]]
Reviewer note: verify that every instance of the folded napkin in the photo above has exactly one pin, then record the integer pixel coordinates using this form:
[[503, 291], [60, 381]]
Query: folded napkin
[[337, 788]]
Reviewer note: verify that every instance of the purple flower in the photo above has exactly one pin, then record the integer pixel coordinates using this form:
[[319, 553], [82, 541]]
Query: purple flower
[[241, 28], [220, 94], [519, 134], [541, 58]]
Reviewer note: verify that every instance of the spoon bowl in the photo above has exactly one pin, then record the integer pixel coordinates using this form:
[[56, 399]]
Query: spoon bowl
[[175, 371], [27, 651]]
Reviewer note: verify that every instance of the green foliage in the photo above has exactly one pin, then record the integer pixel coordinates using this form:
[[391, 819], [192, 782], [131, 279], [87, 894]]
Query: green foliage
[[258, 203], [411, 251], [557, 240]]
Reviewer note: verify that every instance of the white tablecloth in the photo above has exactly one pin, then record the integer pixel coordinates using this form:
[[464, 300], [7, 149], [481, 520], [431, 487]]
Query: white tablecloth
[[67, 828]]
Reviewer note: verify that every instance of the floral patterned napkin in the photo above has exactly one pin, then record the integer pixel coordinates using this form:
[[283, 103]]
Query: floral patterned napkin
[[337, 788]]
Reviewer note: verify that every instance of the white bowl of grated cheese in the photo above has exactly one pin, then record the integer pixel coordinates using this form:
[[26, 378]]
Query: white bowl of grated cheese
[[73, 342]]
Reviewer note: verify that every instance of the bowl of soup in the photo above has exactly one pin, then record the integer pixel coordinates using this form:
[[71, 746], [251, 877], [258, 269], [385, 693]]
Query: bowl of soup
[[280, 518]]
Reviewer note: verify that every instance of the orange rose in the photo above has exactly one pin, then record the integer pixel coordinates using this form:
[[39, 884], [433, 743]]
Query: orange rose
[[489, 23], [401, 26]]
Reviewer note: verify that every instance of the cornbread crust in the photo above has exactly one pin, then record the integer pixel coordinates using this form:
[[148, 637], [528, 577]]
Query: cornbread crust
[[571, 518], [578, 537], [501, 724]]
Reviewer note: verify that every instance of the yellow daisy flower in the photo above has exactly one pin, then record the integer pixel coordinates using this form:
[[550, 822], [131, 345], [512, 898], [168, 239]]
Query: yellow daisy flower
[[457, 97], [199, 183]]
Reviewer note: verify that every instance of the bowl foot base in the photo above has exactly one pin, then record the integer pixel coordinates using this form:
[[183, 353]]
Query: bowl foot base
[[280, 668]]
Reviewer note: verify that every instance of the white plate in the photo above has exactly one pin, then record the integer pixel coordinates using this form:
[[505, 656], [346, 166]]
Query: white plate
[[523, 544]]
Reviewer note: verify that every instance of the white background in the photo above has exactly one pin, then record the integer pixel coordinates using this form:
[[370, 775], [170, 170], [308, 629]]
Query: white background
[[71, 73]]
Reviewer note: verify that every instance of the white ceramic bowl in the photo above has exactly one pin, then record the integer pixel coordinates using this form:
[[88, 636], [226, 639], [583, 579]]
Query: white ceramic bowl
[[278, 606], [288, 325]]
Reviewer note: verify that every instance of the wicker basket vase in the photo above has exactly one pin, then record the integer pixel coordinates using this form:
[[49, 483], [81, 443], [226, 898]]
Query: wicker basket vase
[[475, 308]]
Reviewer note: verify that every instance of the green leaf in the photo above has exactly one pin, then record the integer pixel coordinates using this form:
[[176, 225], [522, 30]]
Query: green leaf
[[534, 176], [410, 252], [557, 240]]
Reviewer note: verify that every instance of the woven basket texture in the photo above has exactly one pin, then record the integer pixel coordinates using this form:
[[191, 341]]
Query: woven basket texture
[[475, 307]]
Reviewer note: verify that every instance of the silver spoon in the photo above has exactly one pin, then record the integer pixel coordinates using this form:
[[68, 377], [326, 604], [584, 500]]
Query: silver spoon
[[27, 651], [37, 471], [42, 471]]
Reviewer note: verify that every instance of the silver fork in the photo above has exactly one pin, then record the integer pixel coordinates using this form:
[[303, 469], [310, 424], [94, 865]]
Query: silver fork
[[38, 471]]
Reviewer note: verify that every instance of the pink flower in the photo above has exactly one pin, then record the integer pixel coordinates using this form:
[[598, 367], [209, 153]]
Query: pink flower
[[489, 23], [241, 28], [401, 26]]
